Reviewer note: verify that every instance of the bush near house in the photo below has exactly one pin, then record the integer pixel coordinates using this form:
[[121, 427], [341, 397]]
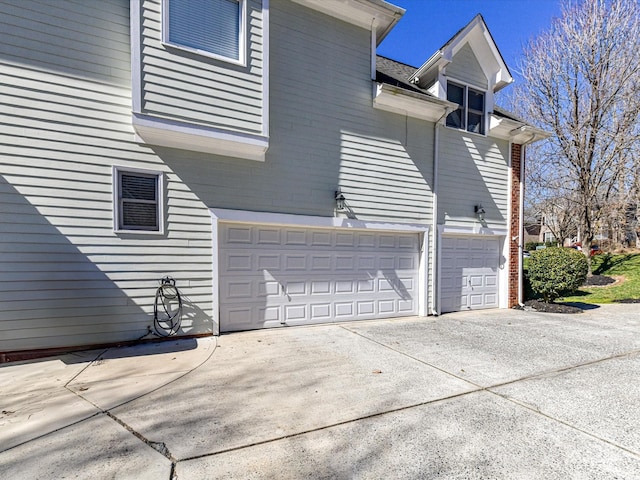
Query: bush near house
[[554, 272]]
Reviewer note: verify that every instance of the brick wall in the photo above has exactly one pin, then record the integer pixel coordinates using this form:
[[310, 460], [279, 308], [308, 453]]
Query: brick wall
[[517, 163]]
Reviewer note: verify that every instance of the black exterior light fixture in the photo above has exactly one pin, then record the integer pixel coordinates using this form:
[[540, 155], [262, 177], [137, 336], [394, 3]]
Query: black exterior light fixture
[[479, 210], [340, 201]]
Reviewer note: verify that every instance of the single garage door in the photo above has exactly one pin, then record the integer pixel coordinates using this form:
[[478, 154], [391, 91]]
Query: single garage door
[[270, 276], [469, 273]]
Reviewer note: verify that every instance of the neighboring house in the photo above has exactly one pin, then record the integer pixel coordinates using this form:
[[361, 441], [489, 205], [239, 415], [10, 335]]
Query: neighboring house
[[531, 232], [140, 141]]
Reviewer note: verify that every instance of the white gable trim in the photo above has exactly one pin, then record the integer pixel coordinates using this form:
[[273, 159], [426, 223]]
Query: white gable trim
[[484, 48]]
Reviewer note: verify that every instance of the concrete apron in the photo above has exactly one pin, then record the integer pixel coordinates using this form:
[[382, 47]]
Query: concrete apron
[[491, 394]]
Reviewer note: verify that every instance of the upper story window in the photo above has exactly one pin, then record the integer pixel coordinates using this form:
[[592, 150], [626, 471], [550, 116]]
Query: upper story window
[[208, 27], [470, 115], [137, 200]]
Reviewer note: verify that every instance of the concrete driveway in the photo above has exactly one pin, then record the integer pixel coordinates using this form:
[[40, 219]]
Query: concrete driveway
[[490, 394]]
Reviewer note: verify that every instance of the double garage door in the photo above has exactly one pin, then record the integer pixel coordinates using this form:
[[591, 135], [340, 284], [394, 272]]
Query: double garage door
[[469, 273], [270, 276]]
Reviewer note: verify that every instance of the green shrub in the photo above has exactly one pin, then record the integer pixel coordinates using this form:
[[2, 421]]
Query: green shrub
[[531, 246], [556, 272]]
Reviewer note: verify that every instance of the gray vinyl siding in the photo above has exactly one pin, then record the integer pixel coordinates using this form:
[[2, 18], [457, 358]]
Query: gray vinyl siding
[[185, 86], [65, 121], [324, 134], [67, 278], [465, 67], [473, 170]]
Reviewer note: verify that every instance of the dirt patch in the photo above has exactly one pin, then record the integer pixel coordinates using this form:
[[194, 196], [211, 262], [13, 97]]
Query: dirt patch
[[540, 306], [628, 300], [599, 281]]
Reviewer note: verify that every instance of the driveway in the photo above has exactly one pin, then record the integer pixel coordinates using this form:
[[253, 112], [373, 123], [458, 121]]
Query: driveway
[[488, 394]]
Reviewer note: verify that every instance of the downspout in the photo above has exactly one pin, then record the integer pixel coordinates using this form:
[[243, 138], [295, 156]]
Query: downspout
[[435, 280], [435, 304], [521, 230]]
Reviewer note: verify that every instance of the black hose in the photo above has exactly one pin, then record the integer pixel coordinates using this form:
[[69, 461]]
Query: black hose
[[167, 319]]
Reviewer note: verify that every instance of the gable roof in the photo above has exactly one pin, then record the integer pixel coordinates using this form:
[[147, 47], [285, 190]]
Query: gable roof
[[397, 93], [477, 35]]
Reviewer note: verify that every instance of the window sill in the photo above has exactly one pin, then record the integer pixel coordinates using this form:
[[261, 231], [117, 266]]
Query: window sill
[[203, 53], [194, 137], [138, 232]]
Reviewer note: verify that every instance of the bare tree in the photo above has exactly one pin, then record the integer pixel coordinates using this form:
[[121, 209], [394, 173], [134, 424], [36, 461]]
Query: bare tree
[[581, 81]]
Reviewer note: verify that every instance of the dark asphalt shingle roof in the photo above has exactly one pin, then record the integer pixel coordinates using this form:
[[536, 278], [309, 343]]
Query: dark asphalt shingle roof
[[396, 73]]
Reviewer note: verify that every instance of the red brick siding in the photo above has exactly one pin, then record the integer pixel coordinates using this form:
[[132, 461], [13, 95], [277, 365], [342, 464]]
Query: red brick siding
[[517, 163]]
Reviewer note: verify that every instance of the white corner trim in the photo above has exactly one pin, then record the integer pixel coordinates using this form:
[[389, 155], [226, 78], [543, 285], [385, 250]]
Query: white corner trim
[[136, 65], [423, 276], [265, 67], [215, 272], [187, 136]]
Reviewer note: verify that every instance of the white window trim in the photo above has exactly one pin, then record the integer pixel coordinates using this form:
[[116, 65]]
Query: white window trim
[[241, 43], [485, 116], [116, 170]]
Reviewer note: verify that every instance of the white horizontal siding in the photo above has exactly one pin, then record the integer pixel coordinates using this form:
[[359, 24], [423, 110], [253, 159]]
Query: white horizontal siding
[[65, 120], [198, 89], [473, 170]]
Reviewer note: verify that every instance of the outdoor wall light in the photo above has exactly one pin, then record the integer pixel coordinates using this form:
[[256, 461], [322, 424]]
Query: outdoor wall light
[[340, 201], [479, 209]]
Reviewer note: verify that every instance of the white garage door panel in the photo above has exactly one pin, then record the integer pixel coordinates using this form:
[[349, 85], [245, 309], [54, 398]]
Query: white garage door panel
[[271, 276], [469, 273]]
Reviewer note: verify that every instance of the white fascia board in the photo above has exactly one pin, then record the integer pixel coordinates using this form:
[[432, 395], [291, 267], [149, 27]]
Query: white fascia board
[[362, 13], [515, 131], [287, 219], [416, 105], [436, 61], [187, 136]]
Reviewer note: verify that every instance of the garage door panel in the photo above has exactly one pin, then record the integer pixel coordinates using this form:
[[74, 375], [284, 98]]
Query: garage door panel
[[275, 276], [298, 238], [243, 261], [469, 273]]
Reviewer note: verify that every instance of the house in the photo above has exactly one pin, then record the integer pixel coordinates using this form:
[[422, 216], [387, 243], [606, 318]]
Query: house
[[256, 154]]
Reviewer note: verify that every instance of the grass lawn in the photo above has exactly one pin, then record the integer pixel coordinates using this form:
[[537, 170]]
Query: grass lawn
[[627, 265]]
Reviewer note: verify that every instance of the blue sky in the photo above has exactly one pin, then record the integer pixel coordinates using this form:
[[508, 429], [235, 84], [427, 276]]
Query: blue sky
[[428, 24]]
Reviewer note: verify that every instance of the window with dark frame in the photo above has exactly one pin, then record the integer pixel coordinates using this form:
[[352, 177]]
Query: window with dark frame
[[206, 26], [138, 197], [469, 115]]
